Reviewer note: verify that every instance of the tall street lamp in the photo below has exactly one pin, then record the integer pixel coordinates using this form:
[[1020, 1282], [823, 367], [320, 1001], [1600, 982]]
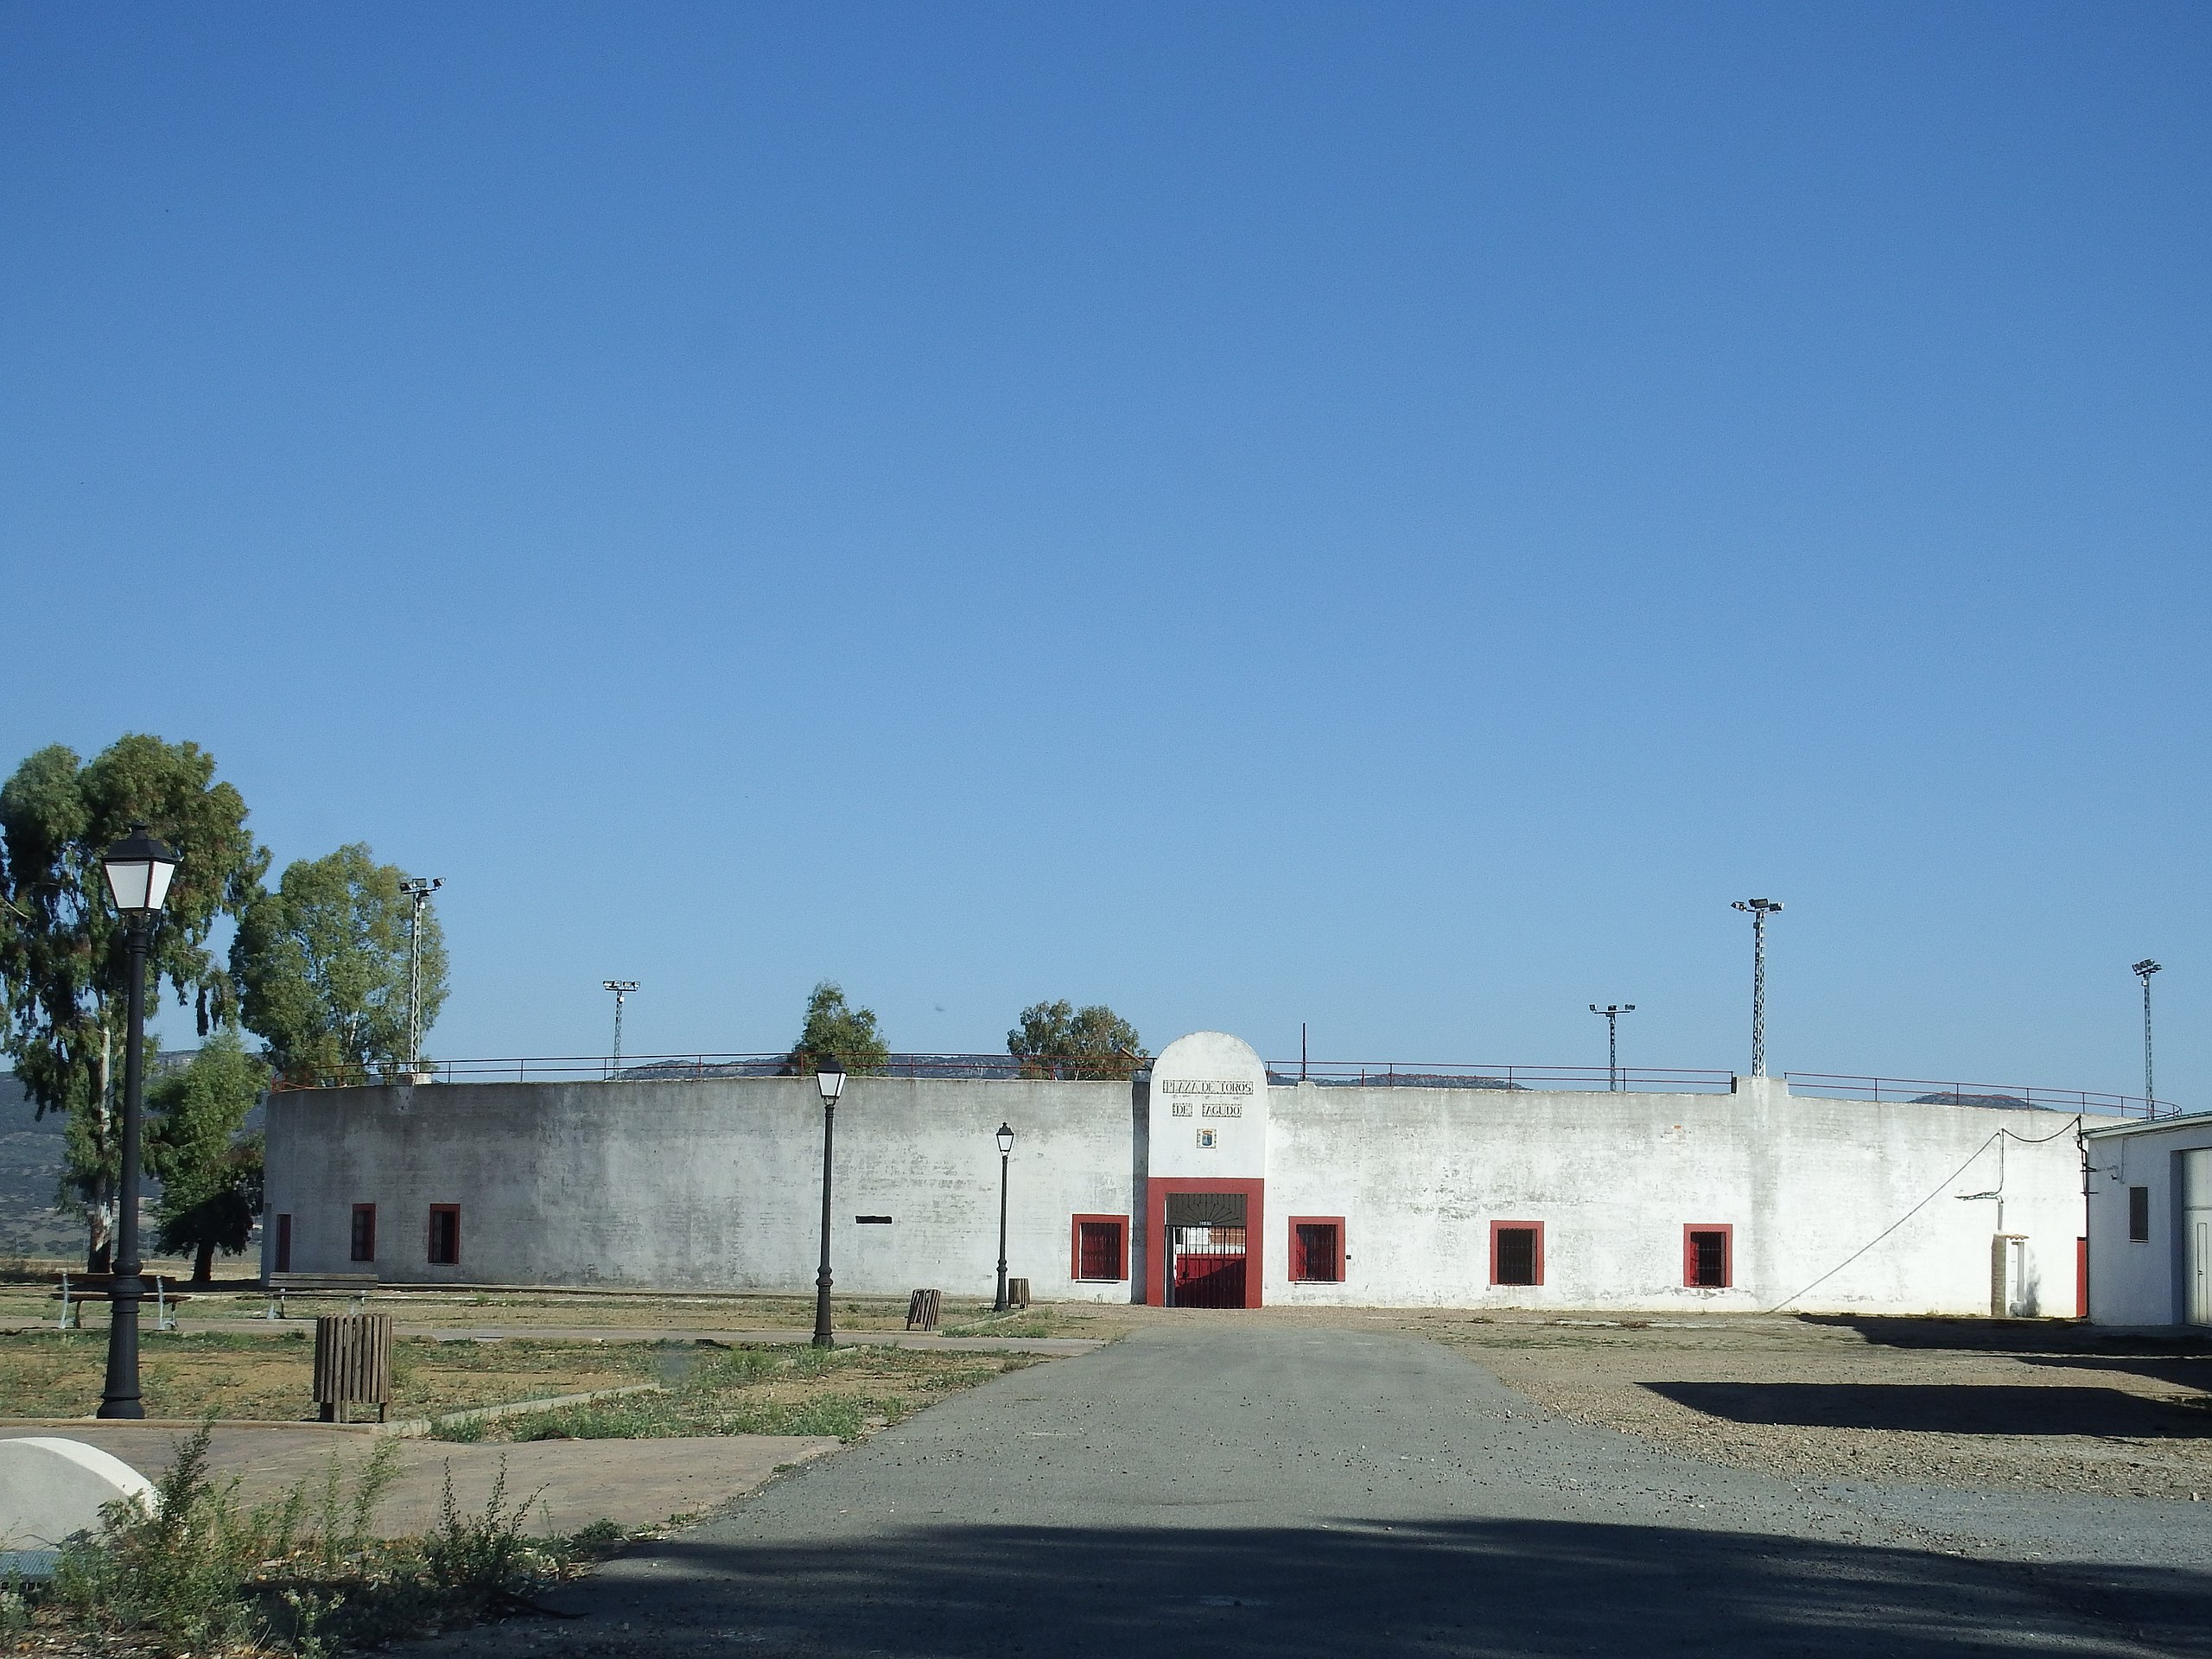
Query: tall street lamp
[[830, 1077], [138, 871], [621, 987], [1759, 910], [417, 892], [1613, 1011], [2143, 970], [1006, 1151]]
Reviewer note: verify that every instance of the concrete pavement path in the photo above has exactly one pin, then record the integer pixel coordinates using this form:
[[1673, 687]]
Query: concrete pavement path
[[1219, 1489], [565, 1484]]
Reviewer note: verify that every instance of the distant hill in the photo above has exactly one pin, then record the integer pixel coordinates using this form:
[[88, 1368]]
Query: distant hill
[[31, 1166], [30, 1169]]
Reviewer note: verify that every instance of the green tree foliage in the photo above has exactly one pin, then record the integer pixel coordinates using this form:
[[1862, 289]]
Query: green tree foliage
[[63, 963], [210, 1177], [323, 965], [1057, 1039], [835, 1031]]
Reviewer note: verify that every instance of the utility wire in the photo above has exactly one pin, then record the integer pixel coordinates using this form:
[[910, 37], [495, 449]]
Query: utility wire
[[2001, 1134]]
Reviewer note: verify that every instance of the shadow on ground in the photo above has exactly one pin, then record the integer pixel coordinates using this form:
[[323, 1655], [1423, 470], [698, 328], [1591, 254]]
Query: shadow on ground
[[1941, 1408], [1489, 1588], [2183, 1359]]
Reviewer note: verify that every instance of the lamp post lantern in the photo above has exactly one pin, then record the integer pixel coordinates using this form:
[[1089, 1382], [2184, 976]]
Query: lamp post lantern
[[1613, 1011], [138, 868], [2143, 970], [830, 1077], [1759, 910], [1005, 1154]]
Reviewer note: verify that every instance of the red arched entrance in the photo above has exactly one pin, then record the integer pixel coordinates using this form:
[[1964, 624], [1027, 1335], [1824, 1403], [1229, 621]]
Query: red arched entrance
[[1207, 1253]]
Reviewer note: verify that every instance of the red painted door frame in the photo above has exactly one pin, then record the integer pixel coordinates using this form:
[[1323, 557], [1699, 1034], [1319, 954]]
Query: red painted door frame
[[1155, 1232]]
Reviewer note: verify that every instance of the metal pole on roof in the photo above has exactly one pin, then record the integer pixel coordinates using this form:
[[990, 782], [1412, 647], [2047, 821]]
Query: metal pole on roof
[[1758, 910], [2143, 970], [1613, 1011], [418, 890], [621, 987]]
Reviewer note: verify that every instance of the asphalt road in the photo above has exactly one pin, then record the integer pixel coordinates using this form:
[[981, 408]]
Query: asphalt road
[[1204, 1489]]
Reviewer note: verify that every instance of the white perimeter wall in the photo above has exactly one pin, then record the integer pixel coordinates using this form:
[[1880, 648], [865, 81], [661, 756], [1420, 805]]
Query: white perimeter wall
[[1807, 1185], [717, 1183], [708, 1184]]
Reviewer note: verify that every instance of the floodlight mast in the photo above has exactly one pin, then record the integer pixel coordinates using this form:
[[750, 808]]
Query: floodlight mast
[[1613, 1011], [2143, 970], [1758, 910], [621, 987], [418, 889]]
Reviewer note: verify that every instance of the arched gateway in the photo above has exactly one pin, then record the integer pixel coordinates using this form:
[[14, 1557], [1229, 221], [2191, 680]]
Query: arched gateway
[[1206, 1173]]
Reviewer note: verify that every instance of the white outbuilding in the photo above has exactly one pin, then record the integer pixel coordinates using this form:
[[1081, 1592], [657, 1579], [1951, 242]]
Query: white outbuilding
[[2151, 1222]]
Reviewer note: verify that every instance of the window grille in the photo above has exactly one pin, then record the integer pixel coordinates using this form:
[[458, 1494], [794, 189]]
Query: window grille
[[1098, 1249], [1708, 1263], [1318, 1255], [1516, 1255]]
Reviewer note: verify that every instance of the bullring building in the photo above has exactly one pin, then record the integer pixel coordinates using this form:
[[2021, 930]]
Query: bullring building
[[1205, 1183]]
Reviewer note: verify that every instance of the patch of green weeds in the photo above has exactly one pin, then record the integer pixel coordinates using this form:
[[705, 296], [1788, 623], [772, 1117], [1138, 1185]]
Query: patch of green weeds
[[198, 1573]]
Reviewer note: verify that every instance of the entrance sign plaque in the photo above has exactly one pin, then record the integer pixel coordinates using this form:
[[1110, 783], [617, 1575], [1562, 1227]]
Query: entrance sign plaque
[[1217, 1080]]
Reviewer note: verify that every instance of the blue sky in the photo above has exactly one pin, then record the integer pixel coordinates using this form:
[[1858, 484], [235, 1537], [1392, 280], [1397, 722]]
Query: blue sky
[[1388, 516]]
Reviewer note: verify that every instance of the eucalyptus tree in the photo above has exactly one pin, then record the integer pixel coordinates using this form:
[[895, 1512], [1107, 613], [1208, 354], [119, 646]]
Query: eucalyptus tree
[[323, 962], [836, 1030], [63, 961], [1059, 1039], [209, 1170]]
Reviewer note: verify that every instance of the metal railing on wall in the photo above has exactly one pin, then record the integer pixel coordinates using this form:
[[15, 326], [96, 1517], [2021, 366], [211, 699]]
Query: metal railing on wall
[[1359, 1074], [1842, 1086], [1417, 1074]]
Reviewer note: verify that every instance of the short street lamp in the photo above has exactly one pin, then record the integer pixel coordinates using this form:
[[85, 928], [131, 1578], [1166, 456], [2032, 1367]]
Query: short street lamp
[[830, 1077], [1006, 1151], [138, 871]]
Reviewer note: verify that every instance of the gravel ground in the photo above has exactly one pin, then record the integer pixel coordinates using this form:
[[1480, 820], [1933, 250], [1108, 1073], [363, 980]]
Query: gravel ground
[[1249, 1488]]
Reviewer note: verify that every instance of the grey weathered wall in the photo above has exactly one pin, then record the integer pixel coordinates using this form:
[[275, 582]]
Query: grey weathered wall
[[712, 1183]]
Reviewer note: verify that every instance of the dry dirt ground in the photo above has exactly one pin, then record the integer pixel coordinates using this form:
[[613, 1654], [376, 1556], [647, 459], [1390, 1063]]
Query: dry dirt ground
[[1969, 1403], [27, 1289], [788, 1388], [2044, 1404]]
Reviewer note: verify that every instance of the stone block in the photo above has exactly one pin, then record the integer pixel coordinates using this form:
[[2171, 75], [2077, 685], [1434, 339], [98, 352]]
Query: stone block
[[51, 1489]]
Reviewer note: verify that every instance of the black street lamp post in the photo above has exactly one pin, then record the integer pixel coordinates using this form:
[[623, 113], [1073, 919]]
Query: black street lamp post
[[1006, 1151], [138, 871], [830, 1077]]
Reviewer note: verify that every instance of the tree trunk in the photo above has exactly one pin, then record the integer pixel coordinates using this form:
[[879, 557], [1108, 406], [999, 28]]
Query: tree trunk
[[203, 1264], [100, 1258]]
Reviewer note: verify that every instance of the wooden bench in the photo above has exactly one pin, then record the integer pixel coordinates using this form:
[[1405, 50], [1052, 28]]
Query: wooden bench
[[77, 1289], [355, 1287]]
